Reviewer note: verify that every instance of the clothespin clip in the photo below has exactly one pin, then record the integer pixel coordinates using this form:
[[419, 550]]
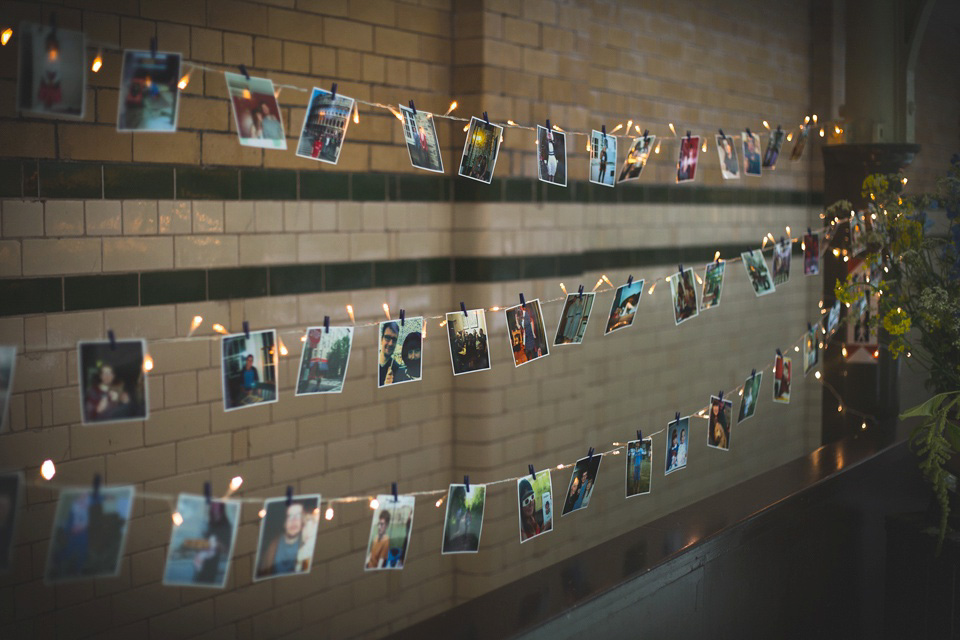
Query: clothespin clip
[[413, 108], [326, 324], [630, 280], [779, 354], [393, 490], [96, 487], [153, 47], [580, 293], [688, 134], [722, 137], [207, 492], [289, 495], [246, 329], [403, 316], [681, 268], [753, 374], [646, 134], [113, 339], [523, 301], [783, 241], [548, 124], [720, 396], [243, 70], [809, 327], [779, 129], [466, 483], [463, 308], [485, 118], [748, 132], [639, 434], [677, 418], [603, 130], [533, 474], [333, 92], [590, 455], [809, 232]]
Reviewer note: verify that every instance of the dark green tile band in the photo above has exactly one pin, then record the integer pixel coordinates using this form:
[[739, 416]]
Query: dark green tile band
[[171, 287], [101, 292], [135, 181], [70, 180], [194, 183], [240, 282], [31, 295]]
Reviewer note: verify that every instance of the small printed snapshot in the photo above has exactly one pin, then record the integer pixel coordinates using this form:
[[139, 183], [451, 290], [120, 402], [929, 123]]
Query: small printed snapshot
[[535, 500], [325, 126], [249, 369], [256, 112], [401, 351], [390, 533], [113, 381], [201, 545]]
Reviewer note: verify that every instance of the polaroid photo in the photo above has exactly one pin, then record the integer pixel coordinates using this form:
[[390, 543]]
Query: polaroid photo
[[683, 292], [858, 230], [639, 467], [751, 154], [11, 498], [574, 318], [249, 369], [89, 532], [420, 134], [256, 112], [678, 437], [480, 150], [603, 158], [551, 156], [811, 349], [113, 381], [688, 159], [833, 317], [469, 341], [727, 152], [325, 126], [750, 396], [52, 78], [756, 266], [712, 285], [582, 480], [149, 95], [623, 309], [401, 348], [535, 501], [721, 418], [390, 533], [202, 544], [324, 361], [637, 158], [528, 335], [782, 367], [774, 144], [288, 535], [800, 143], [781, 262], [463, 522], [8, 363], [811, 254]]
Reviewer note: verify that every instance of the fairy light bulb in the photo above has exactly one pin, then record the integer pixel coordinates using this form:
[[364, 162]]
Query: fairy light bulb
[[219, 328], [177, 519], [184, 82], [386, 310], [374, 504], [716, 257], [453, 105], [465, 127], [766, 125], [863, 426], [839, 408], [329, 513], [511, 122], [797, 349], [5, 36], [283, 347], [563, 288], [703, 147], [790, 136], [559, 466], [495, 309], [48, 469], [670, 124], [195, 323], [147, 362], [617, 128], [438, 503], [235, 483], [788, 230], [699, 279], [821, 132], [262, 514], [657, 148], [97, 63], [350, 313], [814, 118], [816, 374], [843, 352], [356, 114]]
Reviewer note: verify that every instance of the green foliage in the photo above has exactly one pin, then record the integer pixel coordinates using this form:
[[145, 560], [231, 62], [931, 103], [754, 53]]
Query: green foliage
[[337, 356]]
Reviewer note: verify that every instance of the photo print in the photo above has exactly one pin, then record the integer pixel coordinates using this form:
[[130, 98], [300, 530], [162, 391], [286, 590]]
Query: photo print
[[8, 363], [688, 159], [727, 152], [288, 534], [249, 369], [389, 533], [574, 318], [464, 519], [721, 418], [401, 349], [551, 156], [52, 76], [683, 292], [11, 495], [750, 396], [800, 143], [113, 382], [833, 317], [480, 150], [858, 230], [469, 341], [624, 307], [256, 112], [89, 532], [603, 158], [782, 368], [751, 153], [637, 158], [811, 254], [527, 334], [811, 349], [781, 262], [149, 95], [774, 144], [582, 480], [420, 134], [678, 437], [712, 285], [323, 363], [535, 500], [325, 126], [202, 544], [756, 266], [639, 467]]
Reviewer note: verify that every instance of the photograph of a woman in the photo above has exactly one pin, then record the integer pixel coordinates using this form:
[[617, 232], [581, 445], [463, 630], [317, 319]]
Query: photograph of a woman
[[113, 381]]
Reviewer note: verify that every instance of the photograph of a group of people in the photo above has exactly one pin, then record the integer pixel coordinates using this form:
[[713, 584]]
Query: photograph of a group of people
[[11, 492], [750, 397], [8, 362], [582, 479], [288, 535], [551, 156], [636, 158], [782, 368], [729, 165], [689, 157], [535, 498], [113, 381], [718, 432], [469, 342], [324, 361], [811, 350], [528, 336], [574, 318], [52, 73], [255, 111], [751, 154], [480, 150], [603, 158], [202, 544], [774, 144], [463, 522], [639, 466], [811, 254], [678, 438], [149, 95], [781, 262], [623, 309], [324, 126], [249, 368], [683, 292], [712, 284], [400, 352], [389, 533], [420, 134], [757, 272]]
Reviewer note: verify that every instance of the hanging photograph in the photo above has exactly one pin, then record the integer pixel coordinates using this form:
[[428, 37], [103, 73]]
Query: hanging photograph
[[833, 317], [323, 363], [202, 544], [288, 534], [603, 158], [574, 318], [858, 230], [756, 266], [639, 467], [52, 77], [751, 153], [527, 334], [249, 369], [774, 144], [390, 533], [420, 134], [113, 381], [781, 262], [551, 156], [582, 479], [683, 292], [712, 284], [464, 518], [89, 532], [480, 150], [401, 349], [8, 362], [535, 500], [469, 341], [689, 157], [325, 126], [637, 158], [718, 432], [624, 307], [811, 254], [811, 349], [11, 496], [149, 95], [750, 396], [782, 368], [727, 152], [800, 143], [678, 437], [256, 113]]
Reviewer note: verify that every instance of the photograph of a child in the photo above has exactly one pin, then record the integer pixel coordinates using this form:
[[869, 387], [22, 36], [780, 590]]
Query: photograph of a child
[[718, 433], [202, 544], [528, 337], [389, 533], [288, 534], [420, 134], [11, 493], [249, 369], [325, 126], [400, 352], [781, 262], [463, 522], [535, 500], [782, 368], [574, 318], [811, 349], [751, 153], [113, 382], [800, 143], [582, 479], [89, 531], [551, 156], [624, 307], [469, 348], [811, 254], [727, 152], [756, 266], [52, 75], [636, 158], [712, 285], [683, 292], [256, 112], [774, 144], [480, 150], [688, 159], [678, 437], [8, 362], [149, 95], [603, 158], [750, 397], [639, 467], [324, 360]]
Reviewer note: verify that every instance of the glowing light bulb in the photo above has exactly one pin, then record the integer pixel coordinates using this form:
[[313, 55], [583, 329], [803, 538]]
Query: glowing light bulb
[[511, 123], [235, 483], [184, 81], [147, 362], [670, 124], [703, 147], [465, 127], [386, 310], [740, 393], [617, 128], [356, 114], [262, 513], [816, 374], [564, 289], [438, 503], [790, 136], [876, 353], [657, 148], [836, 253], [350, 313], [194, 324], [716, 256], [766, 125], [814, 118], [788, 230], [797, 349], [5, 36], [495, 309], [219, 328], [283, 348], [559, 466], [97, 63], [374, 504], [699, 279], [821, 132], [48, 469], [839, 408], [453, 105], [329, 513], [177, 519], [863, 425], [843, 352]]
